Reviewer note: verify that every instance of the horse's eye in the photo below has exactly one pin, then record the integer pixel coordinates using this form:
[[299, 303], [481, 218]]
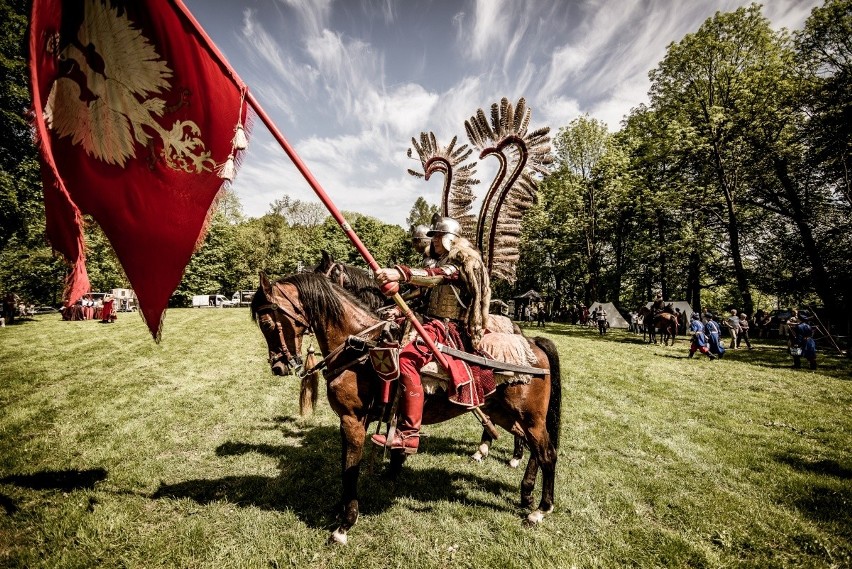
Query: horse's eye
[[266, 323]]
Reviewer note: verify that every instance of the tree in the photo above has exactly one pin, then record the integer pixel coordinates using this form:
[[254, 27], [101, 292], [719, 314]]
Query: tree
[[579, 148], [21, 211], [421, 213], [713, 85]]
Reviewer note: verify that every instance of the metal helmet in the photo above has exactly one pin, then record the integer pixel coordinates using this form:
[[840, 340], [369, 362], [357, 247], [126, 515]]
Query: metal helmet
[[420, 232], [420, 238], [448, 228]]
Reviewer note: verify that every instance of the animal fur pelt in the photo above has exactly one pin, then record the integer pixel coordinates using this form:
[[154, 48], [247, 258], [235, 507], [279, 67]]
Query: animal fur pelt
[[511, 348], [473, 274]]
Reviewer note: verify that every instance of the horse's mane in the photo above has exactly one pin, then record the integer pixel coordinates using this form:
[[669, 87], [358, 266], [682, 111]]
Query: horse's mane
[[322, 300]]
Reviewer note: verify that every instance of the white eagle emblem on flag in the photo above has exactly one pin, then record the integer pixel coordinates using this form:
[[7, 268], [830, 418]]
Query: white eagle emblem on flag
[[103, 100]]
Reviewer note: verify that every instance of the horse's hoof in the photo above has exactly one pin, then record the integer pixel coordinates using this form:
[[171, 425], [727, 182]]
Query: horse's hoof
[[535, 517], [476, 457], [514, 462], [338, 537]]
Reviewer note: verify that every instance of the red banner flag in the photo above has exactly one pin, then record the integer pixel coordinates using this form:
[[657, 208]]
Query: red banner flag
[[135, 116]]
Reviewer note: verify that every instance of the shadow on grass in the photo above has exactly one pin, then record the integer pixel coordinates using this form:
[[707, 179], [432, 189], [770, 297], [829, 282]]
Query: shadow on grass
[[823, 467], [309, 483], [64, 480], [827, 500]]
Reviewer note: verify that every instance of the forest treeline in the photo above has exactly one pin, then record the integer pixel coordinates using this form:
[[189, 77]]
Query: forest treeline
[[731, 187]]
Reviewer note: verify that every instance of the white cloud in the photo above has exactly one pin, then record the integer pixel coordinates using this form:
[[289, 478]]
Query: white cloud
[[353, 118], [267, 58], [312, 14], [559, 112]]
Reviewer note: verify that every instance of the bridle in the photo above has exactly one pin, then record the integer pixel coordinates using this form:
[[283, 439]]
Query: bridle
[[298, 317]]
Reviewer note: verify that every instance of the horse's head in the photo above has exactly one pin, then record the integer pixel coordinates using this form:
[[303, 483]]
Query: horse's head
[[336, 272], [278, 311]]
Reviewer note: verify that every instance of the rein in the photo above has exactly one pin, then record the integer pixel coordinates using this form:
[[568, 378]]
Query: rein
[[293, 361], [356, 342]]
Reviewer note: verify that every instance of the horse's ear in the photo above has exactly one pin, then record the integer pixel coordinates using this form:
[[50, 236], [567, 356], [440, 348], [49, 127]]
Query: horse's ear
[[327, 260], [265, 285]]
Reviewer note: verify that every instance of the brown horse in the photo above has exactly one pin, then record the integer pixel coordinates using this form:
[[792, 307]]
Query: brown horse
[[665, 322], [287, 309], [360, 282]]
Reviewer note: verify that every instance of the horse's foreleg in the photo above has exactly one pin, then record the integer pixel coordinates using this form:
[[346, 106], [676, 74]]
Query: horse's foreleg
[[352, 434], [485, 447]]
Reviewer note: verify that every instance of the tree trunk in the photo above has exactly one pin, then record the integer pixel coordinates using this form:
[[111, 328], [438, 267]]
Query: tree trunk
[[822, 283], [661, 238], [693, 282], [733, 232]]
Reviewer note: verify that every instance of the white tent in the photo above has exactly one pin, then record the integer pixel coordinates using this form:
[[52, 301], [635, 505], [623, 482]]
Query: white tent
[[684, 306], [612, 315]]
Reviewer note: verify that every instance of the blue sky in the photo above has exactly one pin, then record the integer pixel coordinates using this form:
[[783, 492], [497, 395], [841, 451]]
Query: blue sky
[[350, 82]]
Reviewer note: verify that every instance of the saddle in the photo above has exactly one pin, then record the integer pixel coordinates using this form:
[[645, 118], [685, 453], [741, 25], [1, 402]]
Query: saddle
[[480, 381]]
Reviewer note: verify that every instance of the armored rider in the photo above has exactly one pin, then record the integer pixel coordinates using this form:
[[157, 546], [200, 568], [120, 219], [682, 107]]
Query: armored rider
[[457, 308], [422, 243]]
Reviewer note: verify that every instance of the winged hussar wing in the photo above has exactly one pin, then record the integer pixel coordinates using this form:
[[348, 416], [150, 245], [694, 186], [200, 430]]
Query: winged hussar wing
[[523, 156], [457, 193]]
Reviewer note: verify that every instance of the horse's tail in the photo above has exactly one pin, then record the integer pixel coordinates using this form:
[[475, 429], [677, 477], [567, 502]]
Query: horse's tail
[[308, 390], [554, 406]]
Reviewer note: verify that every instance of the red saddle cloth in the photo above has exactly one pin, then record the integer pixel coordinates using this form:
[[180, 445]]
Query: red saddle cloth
[[469, 384]]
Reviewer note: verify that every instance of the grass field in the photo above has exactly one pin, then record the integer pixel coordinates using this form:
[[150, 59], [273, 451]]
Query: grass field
[[118, 452]]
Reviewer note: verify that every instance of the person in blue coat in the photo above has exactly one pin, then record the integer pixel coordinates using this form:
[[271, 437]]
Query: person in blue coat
[[713, 331], [699, 339], [802, 343]]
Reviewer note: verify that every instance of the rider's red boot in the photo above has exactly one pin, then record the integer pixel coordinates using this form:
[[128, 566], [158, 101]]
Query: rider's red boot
[[407, 436]]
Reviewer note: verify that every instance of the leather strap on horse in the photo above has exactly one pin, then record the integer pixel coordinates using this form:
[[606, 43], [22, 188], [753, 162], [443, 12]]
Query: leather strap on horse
[[356, 343]]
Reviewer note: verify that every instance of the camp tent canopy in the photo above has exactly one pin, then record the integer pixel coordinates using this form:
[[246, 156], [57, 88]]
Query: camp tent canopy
[[613, 316], [531, 294]]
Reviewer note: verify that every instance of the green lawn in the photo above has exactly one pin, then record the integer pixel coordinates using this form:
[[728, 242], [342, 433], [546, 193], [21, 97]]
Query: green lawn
[[118, 452]]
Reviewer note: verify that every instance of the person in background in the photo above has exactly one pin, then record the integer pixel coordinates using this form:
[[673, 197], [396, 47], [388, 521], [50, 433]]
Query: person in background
[[699, 338], [108, 315], [785, 327], [714, 340], [732, 323], [542, 314], [744, 327], [422, 243], [802, 344], [602, 321]]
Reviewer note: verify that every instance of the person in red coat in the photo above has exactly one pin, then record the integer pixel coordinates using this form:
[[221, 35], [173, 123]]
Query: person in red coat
[[108, 313]]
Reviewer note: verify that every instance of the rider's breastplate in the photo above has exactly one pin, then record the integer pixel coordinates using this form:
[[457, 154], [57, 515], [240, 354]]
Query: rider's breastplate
[[445, 301]]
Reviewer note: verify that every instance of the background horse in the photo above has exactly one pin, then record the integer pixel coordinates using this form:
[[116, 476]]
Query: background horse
[[361, 283], [286, 310], [665, 322]]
